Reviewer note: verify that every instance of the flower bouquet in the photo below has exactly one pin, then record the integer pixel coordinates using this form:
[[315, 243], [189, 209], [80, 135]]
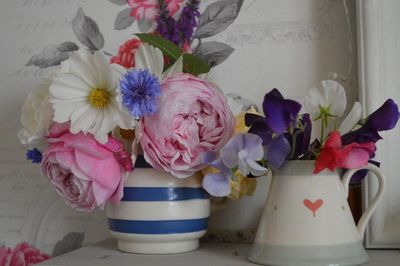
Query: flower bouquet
[[306, 218], [134, 131], [287, 135]]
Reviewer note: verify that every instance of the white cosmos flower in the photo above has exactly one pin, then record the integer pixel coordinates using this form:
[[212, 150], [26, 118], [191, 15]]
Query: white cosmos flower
[[328, 96], [84, 91], [36, 115], [352, 119]]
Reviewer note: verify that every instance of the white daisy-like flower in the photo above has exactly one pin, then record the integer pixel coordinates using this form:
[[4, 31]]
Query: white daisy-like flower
[[84, 91]]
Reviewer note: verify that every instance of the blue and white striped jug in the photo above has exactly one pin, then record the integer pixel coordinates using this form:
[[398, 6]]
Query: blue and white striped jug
[[159, 213]]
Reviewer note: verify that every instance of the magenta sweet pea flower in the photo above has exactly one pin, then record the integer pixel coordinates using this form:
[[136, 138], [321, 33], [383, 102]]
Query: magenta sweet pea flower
[[384, 118], [336, 155]]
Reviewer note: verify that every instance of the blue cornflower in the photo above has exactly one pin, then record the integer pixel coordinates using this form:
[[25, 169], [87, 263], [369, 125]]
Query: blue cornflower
[[34, 155], [139, 89]]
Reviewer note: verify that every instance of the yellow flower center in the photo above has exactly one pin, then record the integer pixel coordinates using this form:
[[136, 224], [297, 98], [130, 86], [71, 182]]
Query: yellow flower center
[[99, 98]]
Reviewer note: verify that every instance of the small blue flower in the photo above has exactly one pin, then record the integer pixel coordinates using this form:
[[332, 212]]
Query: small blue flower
[[34, 155], [139, 89]]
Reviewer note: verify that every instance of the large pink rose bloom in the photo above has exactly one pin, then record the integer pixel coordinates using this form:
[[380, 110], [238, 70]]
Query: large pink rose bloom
[[192, 118], [85, 172], [149, 9], [22, 255]]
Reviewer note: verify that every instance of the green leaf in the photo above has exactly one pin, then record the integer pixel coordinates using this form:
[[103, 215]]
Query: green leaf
[[194, 65], [168, 48]]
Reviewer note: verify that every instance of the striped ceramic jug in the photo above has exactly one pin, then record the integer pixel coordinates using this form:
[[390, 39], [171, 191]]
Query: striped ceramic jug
[[159, 213]]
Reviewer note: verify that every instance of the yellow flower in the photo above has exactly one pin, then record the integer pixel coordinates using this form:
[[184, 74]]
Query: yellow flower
[[241, 186], [240, 123]]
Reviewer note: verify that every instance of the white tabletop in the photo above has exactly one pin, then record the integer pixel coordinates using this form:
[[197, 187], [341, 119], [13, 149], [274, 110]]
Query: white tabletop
[[105, 254]]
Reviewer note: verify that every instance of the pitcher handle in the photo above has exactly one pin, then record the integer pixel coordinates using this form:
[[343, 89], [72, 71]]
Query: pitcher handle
[[362, 224]]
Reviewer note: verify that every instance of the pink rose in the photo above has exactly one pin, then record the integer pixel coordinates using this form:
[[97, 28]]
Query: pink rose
[[85, 172], [149, 9], [22, 255], [126, 53], [192, 118]]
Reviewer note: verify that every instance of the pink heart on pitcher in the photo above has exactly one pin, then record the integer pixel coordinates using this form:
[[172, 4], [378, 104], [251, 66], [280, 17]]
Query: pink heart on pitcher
[[313, 206]]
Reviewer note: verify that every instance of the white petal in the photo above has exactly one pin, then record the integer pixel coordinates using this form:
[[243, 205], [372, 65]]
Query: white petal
[[352, 118], [151, 58], [80, 65], [66, 86], [64, 110], [243, 167], [210, 76], [314, 100], [335, 97], [107, 124], [176, 68], [118, 70], [82, 119], [235, 106], [256, 169], [122, 118], [328, 94], [103, 71]]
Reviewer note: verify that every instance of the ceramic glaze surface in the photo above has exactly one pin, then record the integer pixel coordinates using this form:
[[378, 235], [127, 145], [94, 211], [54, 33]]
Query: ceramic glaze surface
[[307, 220], [159, 213]]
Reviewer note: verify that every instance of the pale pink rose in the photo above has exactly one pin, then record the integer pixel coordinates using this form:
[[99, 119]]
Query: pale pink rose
[[192, 118], [85, 172], [149, 9], [22, 255]]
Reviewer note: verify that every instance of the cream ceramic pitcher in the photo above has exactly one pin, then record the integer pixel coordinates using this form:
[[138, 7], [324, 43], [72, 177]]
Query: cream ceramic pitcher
[[307, 220]]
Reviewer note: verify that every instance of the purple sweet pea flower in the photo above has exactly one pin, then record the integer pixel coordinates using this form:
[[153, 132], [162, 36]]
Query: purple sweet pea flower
[[244, 150], [384, 118], [216, 184], [277, 151], [302, 136], [280, 113], [258, 126]]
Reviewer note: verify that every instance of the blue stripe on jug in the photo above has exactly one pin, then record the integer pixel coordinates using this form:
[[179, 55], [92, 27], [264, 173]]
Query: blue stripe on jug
[[163, 193], [158, 227]]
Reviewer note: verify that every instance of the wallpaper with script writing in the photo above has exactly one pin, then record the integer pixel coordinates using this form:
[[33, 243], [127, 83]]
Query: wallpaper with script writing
[[288, 44]]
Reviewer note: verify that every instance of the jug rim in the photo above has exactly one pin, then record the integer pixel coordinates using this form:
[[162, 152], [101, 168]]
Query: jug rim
[[301, 167]]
